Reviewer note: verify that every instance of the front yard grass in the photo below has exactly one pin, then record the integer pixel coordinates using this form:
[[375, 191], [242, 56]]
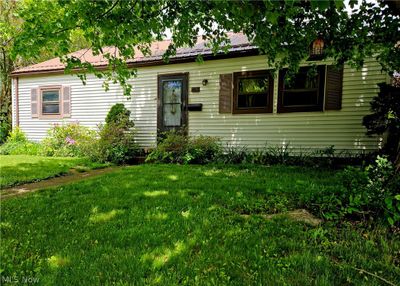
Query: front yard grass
[[18, 169], [170, 225]]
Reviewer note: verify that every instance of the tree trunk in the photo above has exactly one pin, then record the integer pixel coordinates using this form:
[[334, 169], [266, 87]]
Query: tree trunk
[[6, 66], [397, 161]]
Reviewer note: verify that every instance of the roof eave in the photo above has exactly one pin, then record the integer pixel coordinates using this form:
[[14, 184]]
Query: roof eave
[[251, 51]]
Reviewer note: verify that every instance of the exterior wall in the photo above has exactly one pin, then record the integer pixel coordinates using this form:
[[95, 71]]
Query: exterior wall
[[343, 128], [13, 104], [89, 103]]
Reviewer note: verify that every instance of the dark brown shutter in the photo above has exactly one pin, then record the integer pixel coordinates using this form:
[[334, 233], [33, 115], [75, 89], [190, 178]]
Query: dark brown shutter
[[225, 93], [34, 102], [66, 102], [334, 86]]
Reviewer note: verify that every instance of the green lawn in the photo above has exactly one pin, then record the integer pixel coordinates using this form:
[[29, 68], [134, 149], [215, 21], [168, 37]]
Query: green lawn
[[18, 169], [170, 225]]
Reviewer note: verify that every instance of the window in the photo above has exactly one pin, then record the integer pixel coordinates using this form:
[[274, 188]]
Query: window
[[304, 92], [252, 92], [50, 102]]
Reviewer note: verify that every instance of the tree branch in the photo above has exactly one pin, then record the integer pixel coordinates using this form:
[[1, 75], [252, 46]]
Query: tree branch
[[109, 10]]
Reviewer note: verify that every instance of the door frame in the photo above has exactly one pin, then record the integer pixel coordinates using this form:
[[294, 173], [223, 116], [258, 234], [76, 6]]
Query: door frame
[[185, 97]]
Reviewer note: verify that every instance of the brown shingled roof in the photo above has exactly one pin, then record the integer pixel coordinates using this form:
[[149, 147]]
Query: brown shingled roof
[[239, 44]]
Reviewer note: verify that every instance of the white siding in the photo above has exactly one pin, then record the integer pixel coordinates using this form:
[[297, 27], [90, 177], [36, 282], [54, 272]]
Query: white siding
[[343, 128]]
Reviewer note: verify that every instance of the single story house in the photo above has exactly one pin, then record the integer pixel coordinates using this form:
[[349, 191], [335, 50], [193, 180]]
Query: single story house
[[233, 96]]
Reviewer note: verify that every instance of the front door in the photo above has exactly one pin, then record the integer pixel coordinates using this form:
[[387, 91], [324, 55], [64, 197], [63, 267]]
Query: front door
[[172, 102]]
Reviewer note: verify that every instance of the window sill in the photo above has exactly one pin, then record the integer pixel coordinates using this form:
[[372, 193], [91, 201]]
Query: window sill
[[55, 116], [292, 110], [252, 111]]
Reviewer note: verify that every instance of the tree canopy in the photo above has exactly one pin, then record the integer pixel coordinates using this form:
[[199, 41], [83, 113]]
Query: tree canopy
[[12, 27], [283, 30]]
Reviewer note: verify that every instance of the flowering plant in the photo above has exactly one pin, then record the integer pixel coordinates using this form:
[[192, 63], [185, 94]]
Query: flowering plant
[[70, 141]]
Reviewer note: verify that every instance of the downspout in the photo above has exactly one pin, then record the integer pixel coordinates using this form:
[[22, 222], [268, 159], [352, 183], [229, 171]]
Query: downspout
[[16, 102]]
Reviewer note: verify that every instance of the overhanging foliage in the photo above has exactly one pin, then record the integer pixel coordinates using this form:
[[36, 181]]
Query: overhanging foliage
[[283, 30]]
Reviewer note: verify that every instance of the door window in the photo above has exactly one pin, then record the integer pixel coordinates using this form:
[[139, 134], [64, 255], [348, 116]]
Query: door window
[[172, 103]]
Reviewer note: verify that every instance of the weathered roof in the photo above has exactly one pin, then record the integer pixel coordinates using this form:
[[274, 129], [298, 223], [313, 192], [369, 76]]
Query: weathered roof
[[238, 41]]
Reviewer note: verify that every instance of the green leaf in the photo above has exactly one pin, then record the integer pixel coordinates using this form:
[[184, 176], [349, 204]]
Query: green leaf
[[273, 17], [339, 4], [352, 3], [321, 5]]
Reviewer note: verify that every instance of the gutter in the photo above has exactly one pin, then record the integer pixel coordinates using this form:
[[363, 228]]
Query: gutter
[[253, 51]]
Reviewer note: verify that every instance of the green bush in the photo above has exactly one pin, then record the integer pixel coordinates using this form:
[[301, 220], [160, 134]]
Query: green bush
[[177, 147], [16, 135], [271, 155], [170, 149], [119, 115], [385, 118], [392, 202], [370, 192], [238, 155], [116, 145], [5, 127], [20, 148], [113, 142], [116, 142], [68, 140], [18, 144]]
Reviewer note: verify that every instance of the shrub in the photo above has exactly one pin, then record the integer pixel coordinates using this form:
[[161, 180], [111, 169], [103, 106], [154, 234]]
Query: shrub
[[20, 148], [237, 155], [270, 155], [392, 202], [116, 143], [264, 156], [385, 118], [16, 135], [5, 127], [171, 148], [18, 144], [119, 115], [177, 147], [366, 192], [68, 140], [113, 142], [202, 149]]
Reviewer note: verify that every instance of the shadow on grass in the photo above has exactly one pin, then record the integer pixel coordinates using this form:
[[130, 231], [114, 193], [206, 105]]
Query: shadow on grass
[[32, 172], [169, 225]]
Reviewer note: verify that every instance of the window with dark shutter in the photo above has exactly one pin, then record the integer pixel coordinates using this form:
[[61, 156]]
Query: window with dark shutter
[[252, 92], [225, 93], [303, 92], [334, 86]]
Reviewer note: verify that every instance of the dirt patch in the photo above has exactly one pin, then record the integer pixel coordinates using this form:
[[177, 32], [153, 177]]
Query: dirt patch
[[75, 175], [301, 215]]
